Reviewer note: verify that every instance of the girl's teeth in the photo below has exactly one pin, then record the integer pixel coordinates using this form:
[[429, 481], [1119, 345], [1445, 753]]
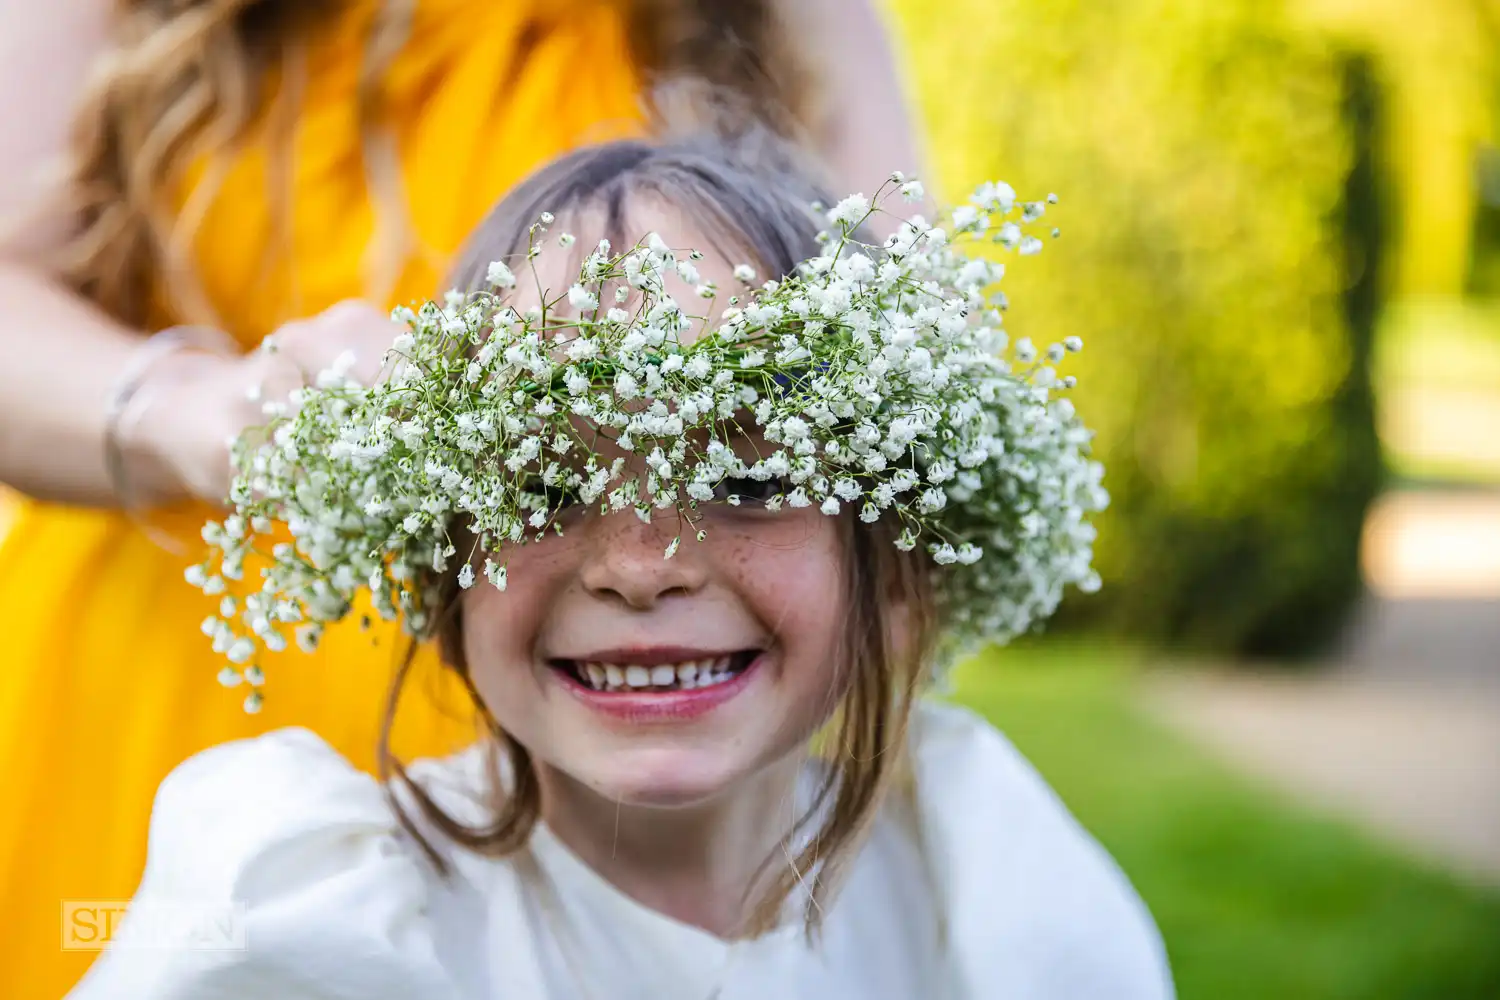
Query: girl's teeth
[[679, 677]]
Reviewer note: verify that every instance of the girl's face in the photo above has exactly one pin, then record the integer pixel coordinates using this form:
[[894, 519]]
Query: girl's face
[[659, 681]]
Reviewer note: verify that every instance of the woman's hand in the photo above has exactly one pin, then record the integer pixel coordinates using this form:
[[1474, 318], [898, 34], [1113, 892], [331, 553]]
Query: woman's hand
[[194, 405]]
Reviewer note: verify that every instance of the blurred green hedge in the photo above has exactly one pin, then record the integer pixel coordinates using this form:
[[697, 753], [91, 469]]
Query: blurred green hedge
[[1219, 251]]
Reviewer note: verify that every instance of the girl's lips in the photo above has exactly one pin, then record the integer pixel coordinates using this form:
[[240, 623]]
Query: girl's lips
[[663, 705]]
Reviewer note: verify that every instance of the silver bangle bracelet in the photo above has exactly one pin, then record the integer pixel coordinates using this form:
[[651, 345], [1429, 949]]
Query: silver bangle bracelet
[[121, 408]]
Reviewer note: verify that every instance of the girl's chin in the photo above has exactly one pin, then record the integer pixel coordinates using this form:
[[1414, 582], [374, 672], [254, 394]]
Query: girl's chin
[[664, 779]]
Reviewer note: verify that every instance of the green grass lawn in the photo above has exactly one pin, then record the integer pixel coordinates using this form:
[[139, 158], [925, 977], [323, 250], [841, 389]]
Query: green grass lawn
[[1256, 897]]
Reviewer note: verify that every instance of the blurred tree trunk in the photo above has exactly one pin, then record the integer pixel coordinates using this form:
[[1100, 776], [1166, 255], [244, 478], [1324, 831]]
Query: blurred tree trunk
[[1307, 622]]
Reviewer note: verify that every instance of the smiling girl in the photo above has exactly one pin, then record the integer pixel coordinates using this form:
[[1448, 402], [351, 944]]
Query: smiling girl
[[705, 775]]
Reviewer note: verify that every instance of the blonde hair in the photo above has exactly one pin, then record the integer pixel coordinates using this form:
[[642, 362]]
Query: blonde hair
[[756, 210], [187, 79]]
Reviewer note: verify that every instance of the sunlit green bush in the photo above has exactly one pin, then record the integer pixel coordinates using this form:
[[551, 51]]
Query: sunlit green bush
[[1203, 151]]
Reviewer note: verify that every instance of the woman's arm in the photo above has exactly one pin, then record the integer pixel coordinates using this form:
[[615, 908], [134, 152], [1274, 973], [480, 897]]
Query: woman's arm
[[866, 128], [59, 358], [58, 355]]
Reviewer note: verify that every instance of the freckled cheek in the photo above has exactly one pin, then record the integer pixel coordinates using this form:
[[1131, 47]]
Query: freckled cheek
[[501, 628], [494, 645], [793, 586], [500, 634]]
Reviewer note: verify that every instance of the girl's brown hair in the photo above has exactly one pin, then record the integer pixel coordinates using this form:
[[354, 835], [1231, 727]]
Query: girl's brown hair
[[188, 78], [755, 209]]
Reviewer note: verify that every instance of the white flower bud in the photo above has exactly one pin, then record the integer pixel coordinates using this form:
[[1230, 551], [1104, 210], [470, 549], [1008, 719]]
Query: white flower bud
[[850, 212], [499, 275], [582, 299]]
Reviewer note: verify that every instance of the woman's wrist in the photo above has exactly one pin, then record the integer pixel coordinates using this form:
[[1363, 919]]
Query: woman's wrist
[[155, 433]]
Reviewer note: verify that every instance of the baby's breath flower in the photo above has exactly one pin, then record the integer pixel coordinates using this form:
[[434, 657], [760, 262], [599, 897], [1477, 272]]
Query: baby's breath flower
[[582, 299], [850, 212], [500, 276], [878, 376]]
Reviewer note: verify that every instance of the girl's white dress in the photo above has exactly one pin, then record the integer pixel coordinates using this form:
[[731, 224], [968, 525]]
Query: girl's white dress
[[989, 889]]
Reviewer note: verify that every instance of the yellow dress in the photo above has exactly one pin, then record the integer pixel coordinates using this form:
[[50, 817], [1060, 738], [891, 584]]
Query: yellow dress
[[105, 680]]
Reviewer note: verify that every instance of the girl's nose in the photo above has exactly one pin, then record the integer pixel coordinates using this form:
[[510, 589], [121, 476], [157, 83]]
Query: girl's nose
[[625, 559]]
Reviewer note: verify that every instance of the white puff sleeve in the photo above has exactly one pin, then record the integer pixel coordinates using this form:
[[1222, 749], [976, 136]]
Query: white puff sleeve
[[1034, 908], [298, 857]]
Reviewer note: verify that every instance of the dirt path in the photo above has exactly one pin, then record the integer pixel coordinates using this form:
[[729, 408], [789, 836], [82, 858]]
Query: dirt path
[[1417, 763], [1401, 728]]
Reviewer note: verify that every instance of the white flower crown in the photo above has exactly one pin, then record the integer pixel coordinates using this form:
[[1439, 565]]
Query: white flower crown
[[876, 376]]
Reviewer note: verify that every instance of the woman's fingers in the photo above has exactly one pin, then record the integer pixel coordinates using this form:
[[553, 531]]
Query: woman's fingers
[[350, 338]]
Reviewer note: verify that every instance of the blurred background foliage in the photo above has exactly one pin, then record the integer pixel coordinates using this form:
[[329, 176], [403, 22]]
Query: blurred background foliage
[[1243, 184], [1280, 243]]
